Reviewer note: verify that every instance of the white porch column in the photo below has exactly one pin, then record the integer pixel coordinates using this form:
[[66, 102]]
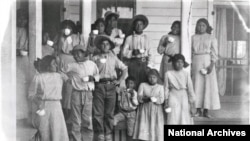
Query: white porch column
[[86, 18], [186, 26], [35, 29]]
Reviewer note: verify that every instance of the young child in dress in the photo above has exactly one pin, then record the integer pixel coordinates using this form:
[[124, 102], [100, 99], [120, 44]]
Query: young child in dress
[[179, 93], [127, 103], [149, 119]]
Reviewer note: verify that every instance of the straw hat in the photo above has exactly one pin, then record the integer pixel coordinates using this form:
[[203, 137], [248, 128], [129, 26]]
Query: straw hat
[[142, 18]]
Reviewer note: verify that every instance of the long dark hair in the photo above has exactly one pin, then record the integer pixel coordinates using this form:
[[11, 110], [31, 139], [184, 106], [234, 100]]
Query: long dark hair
[[174, 23], [205, 21], [43, 65], [177, 57]]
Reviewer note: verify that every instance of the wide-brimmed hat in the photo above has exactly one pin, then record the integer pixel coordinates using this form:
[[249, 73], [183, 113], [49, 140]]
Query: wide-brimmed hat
[[110, 13], [141, 18], [79, 48], [99, 39]]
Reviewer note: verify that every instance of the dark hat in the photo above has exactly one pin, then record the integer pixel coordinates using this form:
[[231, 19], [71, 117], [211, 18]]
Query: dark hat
[[110, 13], [68, 23], [99, 39], [79, 48], [141, 18], [176, 57]]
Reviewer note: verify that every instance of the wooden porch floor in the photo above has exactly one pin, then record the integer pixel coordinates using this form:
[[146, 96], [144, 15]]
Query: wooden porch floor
[[232, 112]]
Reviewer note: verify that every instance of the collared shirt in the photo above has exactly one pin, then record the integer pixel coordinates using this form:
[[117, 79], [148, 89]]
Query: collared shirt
[[108, 68], [81, 70], [136, 41]]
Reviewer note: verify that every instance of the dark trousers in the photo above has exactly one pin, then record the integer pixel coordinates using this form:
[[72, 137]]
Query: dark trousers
[[103, 108], [138, 70]]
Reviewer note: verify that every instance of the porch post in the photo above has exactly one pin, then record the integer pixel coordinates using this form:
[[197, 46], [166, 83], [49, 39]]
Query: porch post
[[35, 33], [86, 18], [186, 26], [35, 29]]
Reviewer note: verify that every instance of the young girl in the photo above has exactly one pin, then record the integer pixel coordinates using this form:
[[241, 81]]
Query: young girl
[[179, 93], [168, 46], [204, 56], [149, 119], [46, 92]]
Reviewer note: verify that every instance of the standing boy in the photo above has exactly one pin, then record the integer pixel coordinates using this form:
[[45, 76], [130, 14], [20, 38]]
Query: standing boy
[[105, 92], [82, 73]]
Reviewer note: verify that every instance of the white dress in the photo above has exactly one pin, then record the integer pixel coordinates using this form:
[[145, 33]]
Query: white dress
[[180, 94], [47, 88], [149, 123], [204, 50]]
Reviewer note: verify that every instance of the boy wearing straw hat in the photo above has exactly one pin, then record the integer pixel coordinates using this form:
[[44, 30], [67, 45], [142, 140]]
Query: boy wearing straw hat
[[105, 93]]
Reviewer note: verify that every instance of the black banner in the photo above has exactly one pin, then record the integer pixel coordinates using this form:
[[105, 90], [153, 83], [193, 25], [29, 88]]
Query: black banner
[[206, 131]]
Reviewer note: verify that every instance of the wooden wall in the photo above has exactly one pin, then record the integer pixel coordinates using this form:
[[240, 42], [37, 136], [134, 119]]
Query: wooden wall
[[162, 14]]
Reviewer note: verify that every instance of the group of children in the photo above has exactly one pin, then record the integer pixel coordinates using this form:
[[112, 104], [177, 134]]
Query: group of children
[[92, 78]]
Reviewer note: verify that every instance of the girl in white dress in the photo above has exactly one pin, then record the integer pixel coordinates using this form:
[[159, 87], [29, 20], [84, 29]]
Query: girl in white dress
[[179, 93], [204, 56], [149, 119], [46, 92]]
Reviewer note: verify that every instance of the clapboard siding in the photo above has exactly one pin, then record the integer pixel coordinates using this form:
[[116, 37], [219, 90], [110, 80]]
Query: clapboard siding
[[162, 19], [162, 14], [162, 4], [199, 12], [200, 4], [72, 10]]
